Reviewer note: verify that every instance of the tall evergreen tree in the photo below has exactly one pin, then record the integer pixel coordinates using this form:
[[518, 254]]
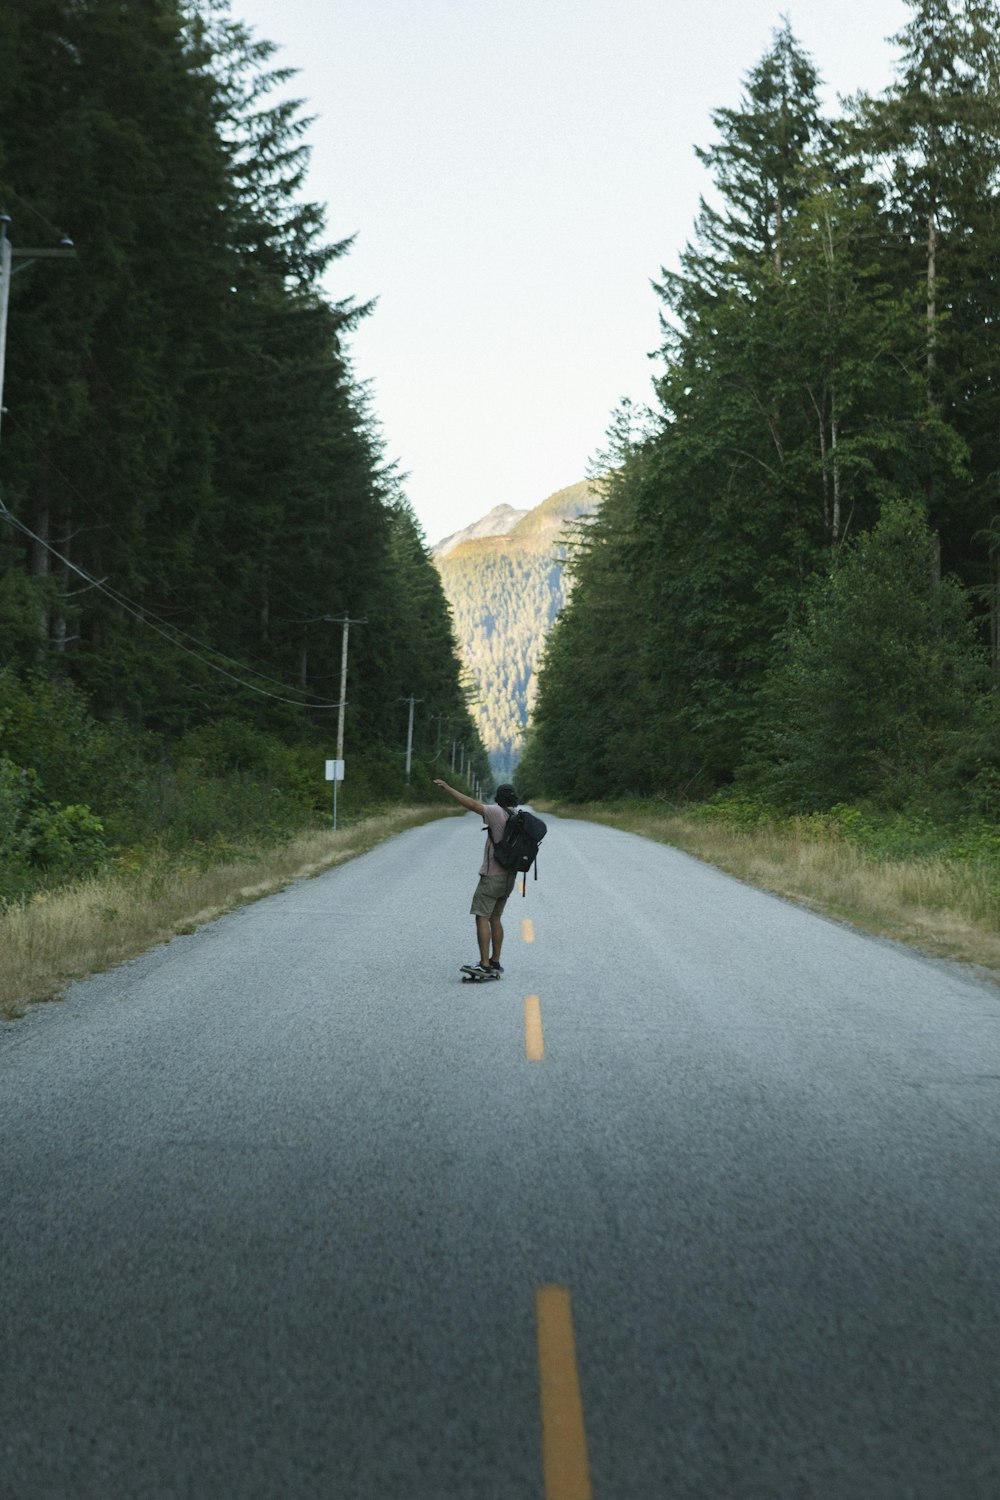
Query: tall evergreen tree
[[794, 408], [185, 426], [934, 138], [870, 696], [757, 169]]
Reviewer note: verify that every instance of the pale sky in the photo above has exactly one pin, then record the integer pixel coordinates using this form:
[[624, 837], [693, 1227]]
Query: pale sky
[[516, 173]]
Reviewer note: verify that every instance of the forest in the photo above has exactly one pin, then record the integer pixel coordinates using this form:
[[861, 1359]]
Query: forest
[[791, 593], [194, 492]]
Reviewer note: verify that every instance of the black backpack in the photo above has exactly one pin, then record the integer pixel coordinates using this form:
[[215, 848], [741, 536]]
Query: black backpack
[[517, 847]]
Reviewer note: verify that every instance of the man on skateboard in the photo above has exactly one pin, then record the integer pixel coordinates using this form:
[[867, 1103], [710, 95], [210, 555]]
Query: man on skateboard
[[495, 883]]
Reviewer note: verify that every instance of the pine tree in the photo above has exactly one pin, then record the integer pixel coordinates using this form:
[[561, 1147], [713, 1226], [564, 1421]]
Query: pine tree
[[757, 166], [935, 139], [793, 409], [874, 693], [185, 425]]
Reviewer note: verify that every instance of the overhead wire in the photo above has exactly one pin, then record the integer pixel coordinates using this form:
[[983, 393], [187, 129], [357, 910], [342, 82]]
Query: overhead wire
[[142, 611], [171, 633], [14, 198], [163, 630], [28, 437]]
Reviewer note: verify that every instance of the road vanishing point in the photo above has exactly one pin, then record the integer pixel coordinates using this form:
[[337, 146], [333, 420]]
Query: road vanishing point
[[700, 1202]]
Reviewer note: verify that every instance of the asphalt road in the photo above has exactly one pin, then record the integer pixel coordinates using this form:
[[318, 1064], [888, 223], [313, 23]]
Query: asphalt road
[[286, 1211]]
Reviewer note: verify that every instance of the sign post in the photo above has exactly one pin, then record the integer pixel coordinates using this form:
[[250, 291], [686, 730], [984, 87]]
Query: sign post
[[335, 773]]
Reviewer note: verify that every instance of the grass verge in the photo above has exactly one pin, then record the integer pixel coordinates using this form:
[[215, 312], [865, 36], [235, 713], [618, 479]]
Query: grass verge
[[119, 913], [945, 906]]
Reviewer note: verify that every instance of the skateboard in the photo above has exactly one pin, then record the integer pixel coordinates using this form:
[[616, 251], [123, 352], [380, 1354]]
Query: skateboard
[[475, 976]]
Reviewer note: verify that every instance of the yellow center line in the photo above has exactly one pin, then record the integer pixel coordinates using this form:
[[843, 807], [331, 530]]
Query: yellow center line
[[527, 930], [565, 1469], [534, 1042]]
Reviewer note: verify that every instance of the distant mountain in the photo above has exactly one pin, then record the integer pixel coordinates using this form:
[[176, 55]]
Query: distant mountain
[[505, 589], [501, 519]]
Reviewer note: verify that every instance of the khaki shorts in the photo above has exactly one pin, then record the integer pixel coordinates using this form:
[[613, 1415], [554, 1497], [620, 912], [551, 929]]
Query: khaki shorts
[[490, 895]]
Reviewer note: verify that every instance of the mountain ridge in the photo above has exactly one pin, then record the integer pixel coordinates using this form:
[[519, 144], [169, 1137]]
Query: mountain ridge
[[505, 589], [497, 522]]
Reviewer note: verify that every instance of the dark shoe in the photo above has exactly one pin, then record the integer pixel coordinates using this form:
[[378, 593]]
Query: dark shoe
[[495, 967]]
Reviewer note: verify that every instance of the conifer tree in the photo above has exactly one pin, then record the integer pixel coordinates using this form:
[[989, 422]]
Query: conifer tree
[[870, 696], [794, 409], [757, 169], [934, 138], [185, 425]]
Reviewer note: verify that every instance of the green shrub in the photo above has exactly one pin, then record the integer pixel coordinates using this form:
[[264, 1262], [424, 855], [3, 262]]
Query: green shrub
[[187, 803], [880, 693], [229, 744], [66, 840], [15, 796], [46, 724], [75, 792], [734, 809]]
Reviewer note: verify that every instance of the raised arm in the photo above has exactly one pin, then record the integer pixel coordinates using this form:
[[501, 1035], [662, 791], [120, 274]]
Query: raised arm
[[469, 802]]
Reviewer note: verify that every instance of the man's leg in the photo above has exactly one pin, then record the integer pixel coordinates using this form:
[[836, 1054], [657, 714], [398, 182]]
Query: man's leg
[[483, 939], [496, 933]]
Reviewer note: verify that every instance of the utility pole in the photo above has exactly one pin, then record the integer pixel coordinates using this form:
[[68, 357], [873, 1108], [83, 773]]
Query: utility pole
[[5, 275], [453, 755], [409, 734], [7, 255], [439, 719], [346, 623]]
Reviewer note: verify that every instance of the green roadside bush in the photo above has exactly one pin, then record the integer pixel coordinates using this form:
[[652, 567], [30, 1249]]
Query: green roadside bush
[[882, 694], [46, 725], [66, 840], [882, 834], [15, 795], [75, 793], [42, 842]]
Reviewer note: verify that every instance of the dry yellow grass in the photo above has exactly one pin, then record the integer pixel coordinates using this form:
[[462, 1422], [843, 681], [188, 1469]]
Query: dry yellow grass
[[942, 908], [97, 923]]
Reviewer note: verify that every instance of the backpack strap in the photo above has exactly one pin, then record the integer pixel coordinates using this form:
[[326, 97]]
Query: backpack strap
[[489, 831]]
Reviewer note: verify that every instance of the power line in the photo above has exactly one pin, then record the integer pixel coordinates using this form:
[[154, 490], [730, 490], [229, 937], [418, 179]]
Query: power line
[[165, 632], [35, 212], [144, 612], [30, 438]]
